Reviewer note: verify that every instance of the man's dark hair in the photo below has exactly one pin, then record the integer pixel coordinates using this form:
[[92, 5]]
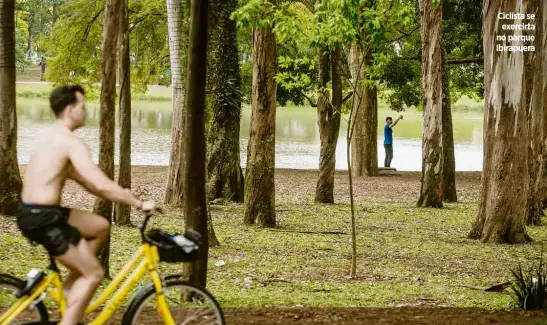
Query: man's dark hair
[[63, 96], [388, 118]]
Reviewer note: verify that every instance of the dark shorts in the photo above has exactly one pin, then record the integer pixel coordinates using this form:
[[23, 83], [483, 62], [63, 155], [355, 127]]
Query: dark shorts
[[48, 226]]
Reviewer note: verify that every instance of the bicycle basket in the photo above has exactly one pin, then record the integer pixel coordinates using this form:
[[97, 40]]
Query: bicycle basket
[[175, 248]]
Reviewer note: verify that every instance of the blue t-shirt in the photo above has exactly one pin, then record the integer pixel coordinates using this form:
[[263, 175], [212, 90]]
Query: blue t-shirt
[[388, 135]]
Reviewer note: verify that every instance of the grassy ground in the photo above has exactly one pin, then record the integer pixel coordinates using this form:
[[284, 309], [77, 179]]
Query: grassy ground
[[407, 256]]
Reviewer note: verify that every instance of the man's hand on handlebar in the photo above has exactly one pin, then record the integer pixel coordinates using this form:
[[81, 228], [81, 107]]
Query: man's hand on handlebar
[[148, 207]]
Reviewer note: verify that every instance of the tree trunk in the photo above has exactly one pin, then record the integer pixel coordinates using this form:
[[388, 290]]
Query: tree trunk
[[505, 180], [543, 53], [533, 62], [122, 212], [260, 170], [107, 112], [364, 145], [30, 43], [328, 115], [195, 203], [175, 18], [449, 161], [54, 13], [43, 69], [431, 193], [10, 178], [224, 174]]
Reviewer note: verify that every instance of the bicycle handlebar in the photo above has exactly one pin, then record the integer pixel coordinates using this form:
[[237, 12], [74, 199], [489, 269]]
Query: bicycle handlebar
[[147, 216]]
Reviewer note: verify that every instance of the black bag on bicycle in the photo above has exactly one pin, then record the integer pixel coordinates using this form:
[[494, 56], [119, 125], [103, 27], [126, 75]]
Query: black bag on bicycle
[[175, 248]]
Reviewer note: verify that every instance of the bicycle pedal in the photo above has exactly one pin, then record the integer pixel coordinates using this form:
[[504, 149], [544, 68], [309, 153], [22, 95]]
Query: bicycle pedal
[[34, 277]]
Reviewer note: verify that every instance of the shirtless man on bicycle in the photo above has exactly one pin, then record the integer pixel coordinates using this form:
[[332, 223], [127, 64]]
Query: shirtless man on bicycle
[[73, 237]]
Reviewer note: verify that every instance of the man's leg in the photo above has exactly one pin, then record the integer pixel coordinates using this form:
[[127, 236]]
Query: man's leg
[[385, 160], [95, 229], [389, 155], [82, 259]]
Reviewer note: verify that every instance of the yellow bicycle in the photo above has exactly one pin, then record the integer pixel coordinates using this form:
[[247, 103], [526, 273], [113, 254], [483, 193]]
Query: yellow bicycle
[[168, 300]]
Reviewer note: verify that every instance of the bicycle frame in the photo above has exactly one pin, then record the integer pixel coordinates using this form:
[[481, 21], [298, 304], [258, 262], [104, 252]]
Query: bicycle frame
[[145, 260]]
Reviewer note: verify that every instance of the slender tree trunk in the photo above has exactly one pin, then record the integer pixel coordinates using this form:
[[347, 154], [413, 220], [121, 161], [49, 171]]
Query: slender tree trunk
[[107, 113], [449, 161], [328, 115], [43, 69], [225, 177], [260, 170], [55, 13], [357, 69], [10, 190], [364, 147], [505, 180], [123, 212], [195, 203], [431, 193], [533, 63], [175, 18], [30, 43]]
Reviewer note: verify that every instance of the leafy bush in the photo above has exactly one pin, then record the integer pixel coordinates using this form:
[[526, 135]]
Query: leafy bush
[[529, 287]]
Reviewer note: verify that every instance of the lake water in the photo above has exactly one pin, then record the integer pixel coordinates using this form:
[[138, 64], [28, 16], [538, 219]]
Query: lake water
[[297, 135]]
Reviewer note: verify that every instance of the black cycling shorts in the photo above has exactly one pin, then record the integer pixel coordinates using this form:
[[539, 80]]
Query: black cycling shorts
[[48, 226]]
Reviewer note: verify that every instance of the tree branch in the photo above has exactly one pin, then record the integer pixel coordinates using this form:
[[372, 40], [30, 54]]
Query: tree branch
[[312, 104], [89, 24], [450, 62], [348, 96], [466, 61]]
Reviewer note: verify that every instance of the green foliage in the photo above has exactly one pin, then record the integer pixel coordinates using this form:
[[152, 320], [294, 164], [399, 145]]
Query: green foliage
[[246, 80], [529, 287], [74, 45], [148, 44], [20, 49], [256, 13], [461, 39]]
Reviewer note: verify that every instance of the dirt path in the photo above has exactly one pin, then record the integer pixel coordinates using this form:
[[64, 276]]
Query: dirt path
[[406, 316], [371, 316]]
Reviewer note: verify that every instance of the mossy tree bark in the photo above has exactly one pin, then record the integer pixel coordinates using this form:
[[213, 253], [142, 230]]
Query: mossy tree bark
[[260, 169], [10, 190], [224, 173], [328, 120]]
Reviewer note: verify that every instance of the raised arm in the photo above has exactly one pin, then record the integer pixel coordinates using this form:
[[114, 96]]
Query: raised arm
[[87, 174], [397, 120]]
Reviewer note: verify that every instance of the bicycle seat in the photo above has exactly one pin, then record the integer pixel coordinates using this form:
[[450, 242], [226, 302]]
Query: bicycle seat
[[34, 277]]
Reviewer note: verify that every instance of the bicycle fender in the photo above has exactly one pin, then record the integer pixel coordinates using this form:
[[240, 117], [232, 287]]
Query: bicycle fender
[[14, 278]]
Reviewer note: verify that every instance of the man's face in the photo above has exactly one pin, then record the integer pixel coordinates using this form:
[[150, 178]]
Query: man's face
[[389, 121], [77, 111]]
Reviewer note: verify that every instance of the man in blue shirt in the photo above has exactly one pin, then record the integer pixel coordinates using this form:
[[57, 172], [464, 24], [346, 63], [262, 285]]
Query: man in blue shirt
[[388, 139]]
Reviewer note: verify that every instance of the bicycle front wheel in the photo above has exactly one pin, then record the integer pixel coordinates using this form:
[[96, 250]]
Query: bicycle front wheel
[[9, 286], [188, 304]]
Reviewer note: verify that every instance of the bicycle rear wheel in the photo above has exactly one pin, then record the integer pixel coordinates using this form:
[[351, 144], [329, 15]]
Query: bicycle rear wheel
[[188, 304], [35, 314]]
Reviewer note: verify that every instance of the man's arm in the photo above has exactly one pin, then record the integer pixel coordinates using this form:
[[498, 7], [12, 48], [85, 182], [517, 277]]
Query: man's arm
[[86, 173], [397, 120]]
